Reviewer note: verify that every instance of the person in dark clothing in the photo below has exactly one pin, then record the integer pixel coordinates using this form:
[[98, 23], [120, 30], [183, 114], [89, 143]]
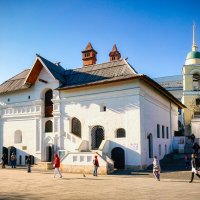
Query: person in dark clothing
[[13, 160], [28, 163], [196, 148], [192, 137], [194, 168], [4, 160], [96, 165]]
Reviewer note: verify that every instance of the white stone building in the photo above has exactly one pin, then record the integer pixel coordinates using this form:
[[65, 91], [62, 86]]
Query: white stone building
[[105, 108]]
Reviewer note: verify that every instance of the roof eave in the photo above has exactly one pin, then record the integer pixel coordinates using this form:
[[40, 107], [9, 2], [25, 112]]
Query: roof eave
[[139, 76]]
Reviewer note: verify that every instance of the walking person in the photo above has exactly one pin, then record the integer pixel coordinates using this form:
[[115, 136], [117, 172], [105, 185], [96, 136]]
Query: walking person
[[57, 165], [156, 168], [96, 165], [194, 167], [4, 160], [28, 163], [13, 160]]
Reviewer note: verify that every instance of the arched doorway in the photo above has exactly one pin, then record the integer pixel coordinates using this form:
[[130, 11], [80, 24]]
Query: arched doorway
[[5, 151], [118, 156], [11, 150], [150, 145], [97, 136], [49, 153]]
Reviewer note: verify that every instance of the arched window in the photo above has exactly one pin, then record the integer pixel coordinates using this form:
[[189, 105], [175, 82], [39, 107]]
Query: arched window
[[120, 133], [150, 145], [196, 82], [48, 103], [18, 136], [159, 150], [48, 126], [165, 149], [76, 127]]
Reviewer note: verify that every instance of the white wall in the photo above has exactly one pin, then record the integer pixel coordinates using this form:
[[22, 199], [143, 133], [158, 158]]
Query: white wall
[[155, 109], [22, 113], [122, 103]]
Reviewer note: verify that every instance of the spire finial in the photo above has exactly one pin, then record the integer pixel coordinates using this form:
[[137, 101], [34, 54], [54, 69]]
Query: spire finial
[[194, 46]]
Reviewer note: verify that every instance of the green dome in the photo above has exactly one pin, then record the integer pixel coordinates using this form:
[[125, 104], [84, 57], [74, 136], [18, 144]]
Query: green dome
[[193, 54]]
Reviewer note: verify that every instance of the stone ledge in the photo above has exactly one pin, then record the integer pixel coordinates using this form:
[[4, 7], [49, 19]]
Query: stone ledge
[[83, 169]]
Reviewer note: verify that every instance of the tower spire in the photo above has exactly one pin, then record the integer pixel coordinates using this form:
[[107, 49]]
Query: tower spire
[[194, 46]]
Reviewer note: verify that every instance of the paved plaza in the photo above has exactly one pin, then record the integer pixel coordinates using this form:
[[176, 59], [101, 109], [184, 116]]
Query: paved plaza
[[18, 184]]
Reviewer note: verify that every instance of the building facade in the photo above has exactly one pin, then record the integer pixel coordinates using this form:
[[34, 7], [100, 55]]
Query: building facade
[[106, 108]]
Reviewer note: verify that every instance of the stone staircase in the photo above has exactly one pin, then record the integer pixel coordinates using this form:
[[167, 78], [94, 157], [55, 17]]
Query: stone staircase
[[172, 162]]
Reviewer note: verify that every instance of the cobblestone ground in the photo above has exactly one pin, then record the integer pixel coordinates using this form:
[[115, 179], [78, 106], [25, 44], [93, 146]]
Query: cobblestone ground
[[17, 184]]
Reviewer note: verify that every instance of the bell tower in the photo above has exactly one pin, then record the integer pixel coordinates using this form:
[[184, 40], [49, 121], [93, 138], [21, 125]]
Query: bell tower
[[89, 55], [191, 87]]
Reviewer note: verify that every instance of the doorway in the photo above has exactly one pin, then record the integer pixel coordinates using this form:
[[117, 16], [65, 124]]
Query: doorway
[[118, 156], [97, 136]]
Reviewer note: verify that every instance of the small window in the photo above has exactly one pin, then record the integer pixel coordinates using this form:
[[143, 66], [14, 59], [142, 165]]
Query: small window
[[179, 111], [167, 132], [76, 127], [158, 131], [29, 97], [121, 133], [48, 126], [8, 100], [163, 132], [87, 54]]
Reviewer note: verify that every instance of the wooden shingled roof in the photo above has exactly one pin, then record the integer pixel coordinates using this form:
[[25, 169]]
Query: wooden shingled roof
[[15, 83], [104, 73], [98, 72]]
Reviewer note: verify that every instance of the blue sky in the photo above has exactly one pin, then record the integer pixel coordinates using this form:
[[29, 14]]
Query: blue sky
[[155, 35]]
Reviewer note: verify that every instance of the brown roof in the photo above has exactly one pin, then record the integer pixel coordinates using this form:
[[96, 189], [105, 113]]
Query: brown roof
[[15, 83], [98, 72], [104, 73]]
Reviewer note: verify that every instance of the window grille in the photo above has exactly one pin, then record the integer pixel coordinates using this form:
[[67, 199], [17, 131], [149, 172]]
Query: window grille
[[121, 133], [48, 126], [76, 127]]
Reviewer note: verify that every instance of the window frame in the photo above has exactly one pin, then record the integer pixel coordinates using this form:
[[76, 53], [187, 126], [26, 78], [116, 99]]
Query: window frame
[[74, 129]]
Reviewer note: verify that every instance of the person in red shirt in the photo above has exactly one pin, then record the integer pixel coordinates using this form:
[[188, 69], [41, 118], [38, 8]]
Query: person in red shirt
[[96, 165], [57, 165]]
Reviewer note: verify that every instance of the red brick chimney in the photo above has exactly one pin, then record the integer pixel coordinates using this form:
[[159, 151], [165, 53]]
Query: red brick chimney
[[114, 54], [89, 55]]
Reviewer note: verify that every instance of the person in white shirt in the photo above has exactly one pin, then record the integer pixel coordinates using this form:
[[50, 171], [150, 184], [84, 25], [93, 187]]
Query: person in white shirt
[[156, 168]]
